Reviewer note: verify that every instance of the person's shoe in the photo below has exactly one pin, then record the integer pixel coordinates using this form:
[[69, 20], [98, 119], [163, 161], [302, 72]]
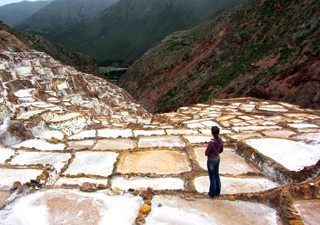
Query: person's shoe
[[208, 195]]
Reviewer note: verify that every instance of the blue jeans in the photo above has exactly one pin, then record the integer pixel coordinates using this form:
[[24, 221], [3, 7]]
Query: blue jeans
[[215, 183]]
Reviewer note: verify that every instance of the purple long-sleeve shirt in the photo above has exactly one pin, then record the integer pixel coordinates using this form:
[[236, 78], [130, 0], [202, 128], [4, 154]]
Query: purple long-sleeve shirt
[[214, 148]]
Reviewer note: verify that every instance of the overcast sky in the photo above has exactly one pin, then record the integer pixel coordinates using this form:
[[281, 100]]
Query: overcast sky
[[5, 2]]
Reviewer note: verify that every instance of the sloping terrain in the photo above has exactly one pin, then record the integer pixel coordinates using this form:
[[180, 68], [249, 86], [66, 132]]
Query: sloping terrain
[[13, 14], [60, 13], [265, 49], [76, 149], [81, 62], [124, 31]]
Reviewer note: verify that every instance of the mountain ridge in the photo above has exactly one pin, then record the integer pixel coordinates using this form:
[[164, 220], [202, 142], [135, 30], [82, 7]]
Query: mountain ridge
[[262, 49], [125, 30], [13, 14]]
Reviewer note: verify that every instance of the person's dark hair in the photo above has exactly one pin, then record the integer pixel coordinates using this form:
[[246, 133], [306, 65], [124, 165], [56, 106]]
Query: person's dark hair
[[215, 131]]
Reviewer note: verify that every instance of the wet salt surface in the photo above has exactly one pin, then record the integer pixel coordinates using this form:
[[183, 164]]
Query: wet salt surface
[[160, 141], [56, 207], [80, 145], [181, 131], [114, 144], [231, 185], [40, 144], [9, 176], [159, 162], [142, 183], [198, 139], [114, 133], [279, 133], [5, 153], [79, 181], [57, 160], [92, 163], [310, 138], [83, 134], [292, 155], [230, 162], [49, 134], [148, 132], [174, 210]]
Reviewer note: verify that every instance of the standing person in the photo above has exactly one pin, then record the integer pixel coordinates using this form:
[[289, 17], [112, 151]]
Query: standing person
[[214, 148]]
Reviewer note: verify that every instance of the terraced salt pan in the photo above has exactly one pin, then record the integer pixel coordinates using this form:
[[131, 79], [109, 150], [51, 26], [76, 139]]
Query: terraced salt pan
[[160, 141], [5, 153], [273, 108], [81, 145], [309, 211], [279, 133], [292, 155], [231, 185], [4, 195], [29, 114], [24, 93], [114, 144], [92, 163], [230, 162], [144, 183], [208, 131], [79, 181], [148, 132], [177, 211], [48, 134], [9, 176], [302, 115], [114, 133], [197, 139], [59, 206], [83, 135], [247, 107], [39, 144], [57, 160], [177, 132], [303, 125], [65, 117], [242, 136], [70, 124], [209, 123], [159, 162], [195, 125], [255, 128], [310, 138]]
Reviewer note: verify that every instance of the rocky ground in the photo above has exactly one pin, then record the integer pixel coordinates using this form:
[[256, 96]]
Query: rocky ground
[[77, 150]]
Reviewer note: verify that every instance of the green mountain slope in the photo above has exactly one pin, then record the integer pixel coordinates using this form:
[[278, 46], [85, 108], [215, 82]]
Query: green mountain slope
[[267, 49], [81, 62], [124, 31], [62, 13], [13, 14]]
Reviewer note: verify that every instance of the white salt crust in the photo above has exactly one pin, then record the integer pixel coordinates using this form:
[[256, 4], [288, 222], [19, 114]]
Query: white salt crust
[[292, 155]]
